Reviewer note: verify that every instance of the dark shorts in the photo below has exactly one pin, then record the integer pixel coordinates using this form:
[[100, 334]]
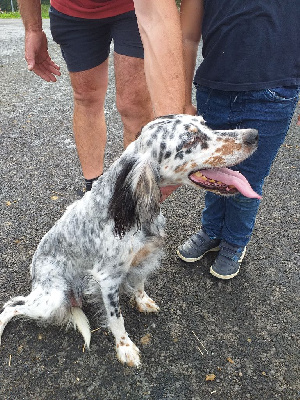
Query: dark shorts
[[85, 43]]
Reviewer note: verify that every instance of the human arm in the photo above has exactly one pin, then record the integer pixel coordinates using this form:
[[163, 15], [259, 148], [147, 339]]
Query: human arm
[[191, 15], [36, 45], [159, 26]]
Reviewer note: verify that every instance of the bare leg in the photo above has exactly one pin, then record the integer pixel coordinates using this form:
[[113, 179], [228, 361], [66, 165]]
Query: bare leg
[[133, 99], [134, 102], [89, 89]]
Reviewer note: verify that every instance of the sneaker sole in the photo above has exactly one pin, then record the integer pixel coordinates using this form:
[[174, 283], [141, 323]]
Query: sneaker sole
[[228, 276], [190, 260]]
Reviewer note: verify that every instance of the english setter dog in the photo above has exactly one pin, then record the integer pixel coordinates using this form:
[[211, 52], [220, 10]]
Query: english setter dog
[[114, 235]]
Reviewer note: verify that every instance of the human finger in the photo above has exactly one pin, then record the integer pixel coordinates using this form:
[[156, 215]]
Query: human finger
[[43, 73]]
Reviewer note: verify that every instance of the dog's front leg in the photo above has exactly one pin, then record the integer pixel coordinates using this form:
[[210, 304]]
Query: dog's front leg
[[127, 351]]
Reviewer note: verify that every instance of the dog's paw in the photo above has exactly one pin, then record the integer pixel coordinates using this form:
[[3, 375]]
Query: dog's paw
[[145, 304], [127, 352]]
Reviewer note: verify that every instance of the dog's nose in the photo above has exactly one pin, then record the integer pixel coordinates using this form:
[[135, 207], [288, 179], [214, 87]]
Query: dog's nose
[[251, 137]]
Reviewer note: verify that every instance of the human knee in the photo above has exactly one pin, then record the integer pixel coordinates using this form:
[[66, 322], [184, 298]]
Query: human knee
[[88, 97], [88, 89], [134, 104], [126, 107]]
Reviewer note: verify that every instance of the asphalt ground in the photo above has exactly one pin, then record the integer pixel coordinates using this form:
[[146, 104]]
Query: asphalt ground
[[212, 339]]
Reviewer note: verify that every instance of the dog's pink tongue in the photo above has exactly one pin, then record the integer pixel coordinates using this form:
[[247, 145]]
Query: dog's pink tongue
[[230, 177]]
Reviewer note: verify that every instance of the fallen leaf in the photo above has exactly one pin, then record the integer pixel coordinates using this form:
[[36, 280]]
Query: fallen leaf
[[54, 197], [230, 360], [20, 348], [8, 203], [146, 339], [210, 377]]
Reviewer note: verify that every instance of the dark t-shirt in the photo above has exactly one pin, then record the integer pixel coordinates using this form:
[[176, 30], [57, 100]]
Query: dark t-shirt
[[250, 44]]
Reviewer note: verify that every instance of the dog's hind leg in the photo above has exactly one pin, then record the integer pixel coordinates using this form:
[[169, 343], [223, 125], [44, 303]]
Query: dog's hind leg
[[144, 303], [39, 305], [127, 351], [134, 285]]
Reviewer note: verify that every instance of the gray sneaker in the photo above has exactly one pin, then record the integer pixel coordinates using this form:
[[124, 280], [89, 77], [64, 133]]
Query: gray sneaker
[[228, 261], [196, 246]]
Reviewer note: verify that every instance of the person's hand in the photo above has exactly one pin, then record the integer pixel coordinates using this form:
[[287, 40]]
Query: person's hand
[[166, 191], [37, 56], [190, 109]]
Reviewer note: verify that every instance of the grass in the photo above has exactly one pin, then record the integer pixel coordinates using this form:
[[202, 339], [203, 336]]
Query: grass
[[7, 15]]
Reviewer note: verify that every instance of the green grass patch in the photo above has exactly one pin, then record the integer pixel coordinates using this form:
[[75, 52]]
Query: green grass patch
[[6, 15]]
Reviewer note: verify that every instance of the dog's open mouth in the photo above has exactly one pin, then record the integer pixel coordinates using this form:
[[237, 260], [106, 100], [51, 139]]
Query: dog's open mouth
[[223, 181]]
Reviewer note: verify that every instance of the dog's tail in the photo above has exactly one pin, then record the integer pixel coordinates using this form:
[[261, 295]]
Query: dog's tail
[[80, 321]]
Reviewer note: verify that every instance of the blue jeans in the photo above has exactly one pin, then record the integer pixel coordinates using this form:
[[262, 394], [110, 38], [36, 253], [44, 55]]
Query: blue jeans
[[270, 111]]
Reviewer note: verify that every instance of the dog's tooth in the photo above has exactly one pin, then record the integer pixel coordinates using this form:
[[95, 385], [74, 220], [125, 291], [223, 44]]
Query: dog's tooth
[[229, 187], [198, 173]]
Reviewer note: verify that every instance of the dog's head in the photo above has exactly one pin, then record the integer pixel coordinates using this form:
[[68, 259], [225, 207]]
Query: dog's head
[[172, 150], [186, 151]]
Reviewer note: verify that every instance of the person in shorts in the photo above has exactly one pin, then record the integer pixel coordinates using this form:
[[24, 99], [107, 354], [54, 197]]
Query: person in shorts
[[85, 30]]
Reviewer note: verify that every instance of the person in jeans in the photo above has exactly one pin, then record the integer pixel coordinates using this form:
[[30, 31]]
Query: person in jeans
[[249, 78], [84, 30]]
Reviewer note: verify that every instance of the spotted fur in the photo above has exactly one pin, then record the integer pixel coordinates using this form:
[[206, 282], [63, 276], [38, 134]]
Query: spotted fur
[[114, 235]]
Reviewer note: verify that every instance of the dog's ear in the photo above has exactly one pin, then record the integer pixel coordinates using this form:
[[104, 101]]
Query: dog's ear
[[136, 195]]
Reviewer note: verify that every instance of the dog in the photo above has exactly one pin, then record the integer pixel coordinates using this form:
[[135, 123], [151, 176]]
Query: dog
[[113, 236]]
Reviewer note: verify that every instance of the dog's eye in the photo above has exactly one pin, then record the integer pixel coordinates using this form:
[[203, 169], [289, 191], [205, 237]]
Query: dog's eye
[[201, 138], [192, 142]]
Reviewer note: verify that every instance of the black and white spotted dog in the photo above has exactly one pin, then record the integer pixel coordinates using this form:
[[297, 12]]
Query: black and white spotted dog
[[115, 233]]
